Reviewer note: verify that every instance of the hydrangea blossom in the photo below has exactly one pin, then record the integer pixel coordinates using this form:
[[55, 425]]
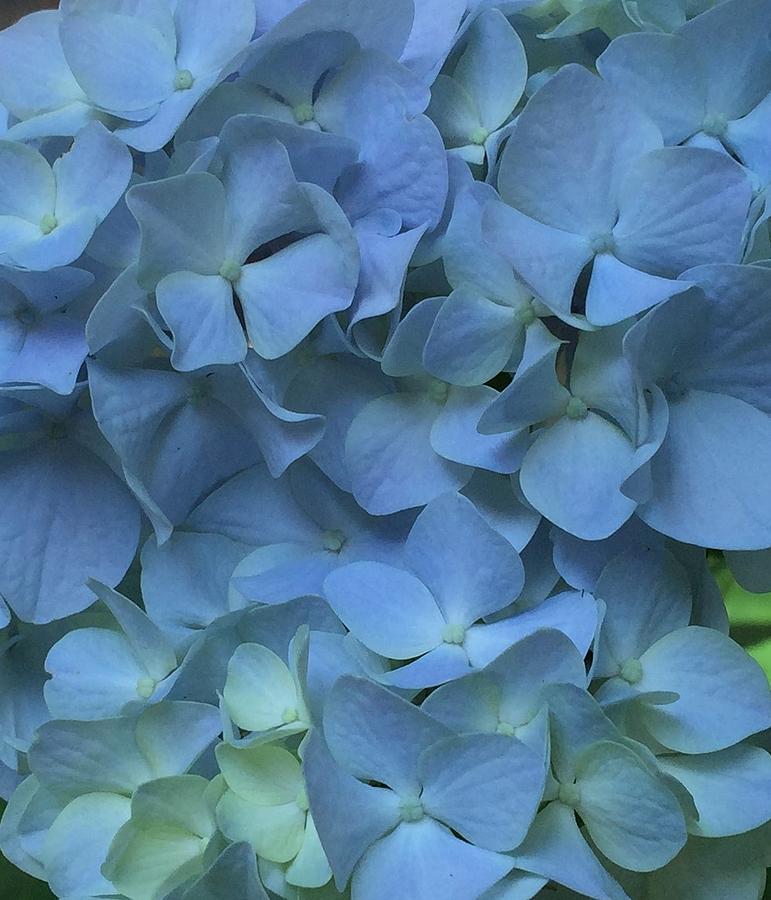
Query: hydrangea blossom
[[379, 383]]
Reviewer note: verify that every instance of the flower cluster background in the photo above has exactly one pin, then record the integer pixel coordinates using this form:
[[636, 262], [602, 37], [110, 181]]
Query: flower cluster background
[[385, 449]]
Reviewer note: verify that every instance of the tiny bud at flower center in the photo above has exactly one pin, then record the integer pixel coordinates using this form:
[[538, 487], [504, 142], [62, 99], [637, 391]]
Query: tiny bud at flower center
[[576, 408], [569, 794], [527, 314], [439, 391], [505, 728], [603, 243], [334, 540], [454, 634], [303, 113], [478, 136], [632, 671], [411, 810], [183, 80], [230, 270], [289, 715], [714, 125], [48, 223], [145, 688]]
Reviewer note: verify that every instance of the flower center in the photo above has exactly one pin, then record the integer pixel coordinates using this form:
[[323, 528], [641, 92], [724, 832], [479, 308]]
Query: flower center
[[48, 223], [183, 80], [632, 671], [411, 810], [569, 794], [439, 391], [303, 113], [527, 314], [505, 728], [454, 634], [576, 409], [230, 270], [714, 125], [289, 715], [603, 243], [145, 688], [334, 540], [479, 136]]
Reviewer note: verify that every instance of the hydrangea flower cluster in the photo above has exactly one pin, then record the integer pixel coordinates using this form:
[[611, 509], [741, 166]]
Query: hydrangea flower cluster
[[374, 378]]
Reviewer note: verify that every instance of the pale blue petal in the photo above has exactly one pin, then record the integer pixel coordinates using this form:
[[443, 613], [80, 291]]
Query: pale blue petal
[[731, 788], [486, 330], [573, 612], [573, 475], [433, 31], [445, 662], [556, 849], [723, 692], [93, 175], [431, 860], [181, 222], [185, 581], [337, 388], [617, 291], [153, 134], [485, 787], [588, 165], [377, 736], [287, 294], [144, 413], [378, 26], [403, 354], [54, 531], [371, 811], [738, 69], [236, 865], [735, 514], [629, 812], [254, 508], [731, 358], [535, 394], [34, 75], [390, 458], [647, 594], [493, 68], [122, 63], [202, 49], [471, 570], [453, 111], [384, 261], [506, 512], [76, 845], [454, 434], [94, 673], [61, 247], [27, 185], [199, 311], [548, 259], [657, 72], [281, 572], [681, 207], [387, 609]]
